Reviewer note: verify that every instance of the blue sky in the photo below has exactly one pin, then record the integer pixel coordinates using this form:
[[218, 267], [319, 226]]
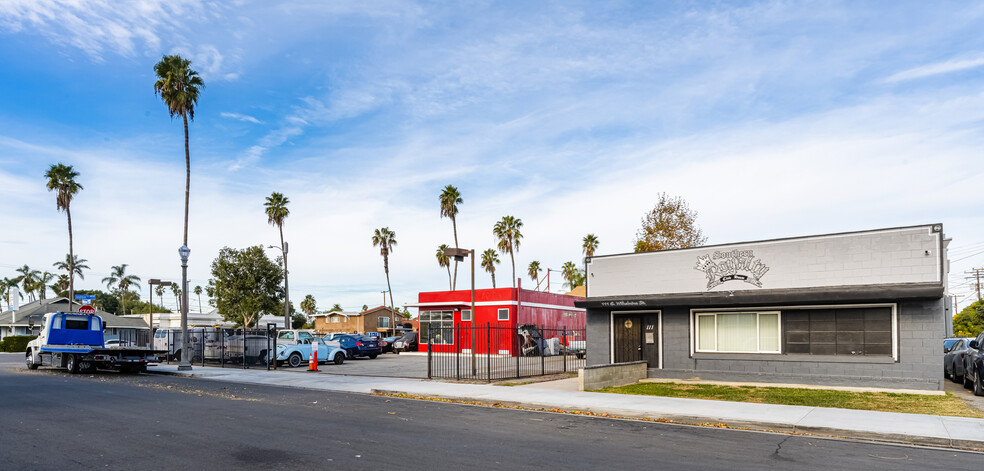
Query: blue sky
[[773, 119]]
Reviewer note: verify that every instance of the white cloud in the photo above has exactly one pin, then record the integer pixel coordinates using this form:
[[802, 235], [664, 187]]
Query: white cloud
[[240, 117], [98, 27], [938, 68]]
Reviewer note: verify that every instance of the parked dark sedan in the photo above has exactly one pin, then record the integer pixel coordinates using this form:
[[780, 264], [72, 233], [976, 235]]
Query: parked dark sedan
[[973, 363], [386, 344], [359, 346], [953, 360]]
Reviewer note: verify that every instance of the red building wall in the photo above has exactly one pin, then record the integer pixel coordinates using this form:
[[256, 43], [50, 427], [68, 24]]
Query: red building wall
[[554, 314]]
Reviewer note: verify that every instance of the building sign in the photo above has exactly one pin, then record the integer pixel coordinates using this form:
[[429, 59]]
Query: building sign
[[733, 265], [622, 303]]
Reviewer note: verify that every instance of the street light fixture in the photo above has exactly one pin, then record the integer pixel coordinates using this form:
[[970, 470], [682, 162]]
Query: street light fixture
[[459, 255], [185, 363]]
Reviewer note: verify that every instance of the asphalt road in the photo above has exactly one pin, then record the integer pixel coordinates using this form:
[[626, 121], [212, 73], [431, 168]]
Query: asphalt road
[[52, 420]]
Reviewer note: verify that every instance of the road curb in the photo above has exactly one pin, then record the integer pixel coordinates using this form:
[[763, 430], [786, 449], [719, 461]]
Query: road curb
[[826, 432]]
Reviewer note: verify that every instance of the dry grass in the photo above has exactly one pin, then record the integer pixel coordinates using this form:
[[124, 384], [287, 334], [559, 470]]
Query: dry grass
[[878, 401]]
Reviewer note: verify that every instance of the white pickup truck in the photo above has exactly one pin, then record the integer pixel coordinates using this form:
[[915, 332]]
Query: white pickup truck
[[75, 341]]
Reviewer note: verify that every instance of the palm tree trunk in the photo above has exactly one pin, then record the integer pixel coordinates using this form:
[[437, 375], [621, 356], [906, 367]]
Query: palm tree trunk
[[283, 252], [184, 116], [451, 286], [388, 287], [454, 224], [71, 261], [493, 279], [511, 257]]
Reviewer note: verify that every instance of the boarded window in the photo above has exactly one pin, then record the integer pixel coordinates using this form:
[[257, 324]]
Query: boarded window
[[857, 331]]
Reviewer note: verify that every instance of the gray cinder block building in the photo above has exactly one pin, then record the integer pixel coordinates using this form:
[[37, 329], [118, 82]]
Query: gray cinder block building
[[857, 309]]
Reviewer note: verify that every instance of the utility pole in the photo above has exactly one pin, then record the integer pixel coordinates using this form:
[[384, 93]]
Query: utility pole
[[976, 273]]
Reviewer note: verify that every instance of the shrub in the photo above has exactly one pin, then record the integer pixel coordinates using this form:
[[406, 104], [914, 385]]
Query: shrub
[[15, 343]]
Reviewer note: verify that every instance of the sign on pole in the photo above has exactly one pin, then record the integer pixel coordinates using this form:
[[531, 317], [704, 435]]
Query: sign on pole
[[87, 310]]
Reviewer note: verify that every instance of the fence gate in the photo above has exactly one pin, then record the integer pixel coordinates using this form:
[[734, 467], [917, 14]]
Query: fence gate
[[491, 353]]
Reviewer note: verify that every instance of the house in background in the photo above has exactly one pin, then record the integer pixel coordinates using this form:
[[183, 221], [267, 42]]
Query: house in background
[[27, 319], [380, 319], [446, 319]]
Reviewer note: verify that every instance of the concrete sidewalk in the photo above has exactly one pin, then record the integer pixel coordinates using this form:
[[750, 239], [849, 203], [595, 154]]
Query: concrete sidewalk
[[931, 430]]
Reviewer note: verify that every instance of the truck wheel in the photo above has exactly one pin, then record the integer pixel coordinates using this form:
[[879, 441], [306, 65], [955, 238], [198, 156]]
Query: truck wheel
[[261, 360], [30, 361], [339, 358], [72, 364], [294, 360], [176, 356]]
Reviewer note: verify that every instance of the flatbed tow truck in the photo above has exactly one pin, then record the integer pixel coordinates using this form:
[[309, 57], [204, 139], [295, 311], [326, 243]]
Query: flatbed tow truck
[[75, 341]]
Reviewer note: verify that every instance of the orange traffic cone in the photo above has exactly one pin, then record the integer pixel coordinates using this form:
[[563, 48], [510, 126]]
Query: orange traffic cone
[[313, 363]]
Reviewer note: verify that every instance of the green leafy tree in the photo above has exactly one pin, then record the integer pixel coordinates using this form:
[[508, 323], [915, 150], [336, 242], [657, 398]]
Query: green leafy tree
[[970, 321], [590, 244], [42, 284], [107, 302], [450, 199], [60, 287], [245, 284], [445, 262], [276, 211], [670, 225], [338, 308], [507, 231], [489, 260], [61, 178], [178, 85], [385, 239], [534, 272]]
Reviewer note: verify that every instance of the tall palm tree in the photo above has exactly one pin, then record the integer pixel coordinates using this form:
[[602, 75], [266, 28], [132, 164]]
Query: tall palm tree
[[534, 272], [507, 230], [177, 292], [61, 285], [5, 284], [385, 239], [28, 280], [309, 305], [489, 260], [277, 211], [122, 282], [61, 178], [74, 263], [444, 261], [590, 245], [568, 271], [178, 86], [450, 199], [198, 292], [42, 284], [160, 294]]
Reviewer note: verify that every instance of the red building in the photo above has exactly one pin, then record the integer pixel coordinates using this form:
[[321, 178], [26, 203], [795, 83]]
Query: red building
[[446, 320]]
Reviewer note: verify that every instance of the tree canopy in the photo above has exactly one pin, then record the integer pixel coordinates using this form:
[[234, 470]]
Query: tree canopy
[[245, 285], [970, 321], [670, 225]]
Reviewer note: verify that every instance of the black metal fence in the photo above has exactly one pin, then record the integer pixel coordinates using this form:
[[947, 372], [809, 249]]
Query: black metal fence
[[243, 348], [500, 352]]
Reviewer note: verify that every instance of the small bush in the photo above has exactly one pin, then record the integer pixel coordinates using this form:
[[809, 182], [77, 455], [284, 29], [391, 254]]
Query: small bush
[[15, 343]]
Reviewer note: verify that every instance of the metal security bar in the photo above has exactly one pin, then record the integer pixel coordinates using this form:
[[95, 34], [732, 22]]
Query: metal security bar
[[500, 352], [218, 346]]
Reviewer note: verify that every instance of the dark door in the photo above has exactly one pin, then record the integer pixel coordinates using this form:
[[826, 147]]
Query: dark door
[[628, 339]]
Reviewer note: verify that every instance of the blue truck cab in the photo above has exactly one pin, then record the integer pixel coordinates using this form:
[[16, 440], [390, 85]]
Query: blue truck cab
[[75, 341]]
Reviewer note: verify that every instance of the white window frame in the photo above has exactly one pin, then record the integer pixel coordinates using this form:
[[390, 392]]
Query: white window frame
[[463, 319], [758, 337], [499, 314], [426, 340], [335, 319]]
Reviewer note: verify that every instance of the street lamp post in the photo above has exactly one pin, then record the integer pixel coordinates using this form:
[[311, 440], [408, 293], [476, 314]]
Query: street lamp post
[[459, 255], [185, 363]]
